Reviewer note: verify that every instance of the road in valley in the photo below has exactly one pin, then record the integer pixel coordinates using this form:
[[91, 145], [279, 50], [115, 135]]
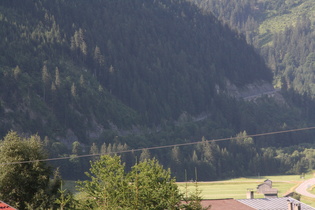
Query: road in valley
[[302, 188], [270, 92]]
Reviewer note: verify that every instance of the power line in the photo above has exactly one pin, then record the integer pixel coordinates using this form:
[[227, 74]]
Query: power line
[[159, 147]]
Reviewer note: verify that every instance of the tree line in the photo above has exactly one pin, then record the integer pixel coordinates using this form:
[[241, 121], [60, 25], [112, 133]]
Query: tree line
[[26, 182], [113, 182], [240, 156]]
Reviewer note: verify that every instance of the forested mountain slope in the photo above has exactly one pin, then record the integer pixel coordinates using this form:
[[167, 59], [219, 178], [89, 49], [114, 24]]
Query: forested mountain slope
[[81, 65], [283, 31], [112, 75]]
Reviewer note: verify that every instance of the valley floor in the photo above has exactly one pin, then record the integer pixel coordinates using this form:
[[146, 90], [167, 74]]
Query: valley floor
[[237, 188]]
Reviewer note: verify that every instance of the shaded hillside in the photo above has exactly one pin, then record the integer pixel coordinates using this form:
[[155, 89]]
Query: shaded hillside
[[89, 66]]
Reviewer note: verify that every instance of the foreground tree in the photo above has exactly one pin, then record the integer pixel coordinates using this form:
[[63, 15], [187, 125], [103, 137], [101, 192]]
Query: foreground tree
[[25, 185], [107, 184], [153, 187], [147, 186]]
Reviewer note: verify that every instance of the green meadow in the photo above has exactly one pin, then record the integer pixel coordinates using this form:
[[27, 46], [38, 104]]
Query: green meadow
[[237, 188], [234, 188], [273, 22]]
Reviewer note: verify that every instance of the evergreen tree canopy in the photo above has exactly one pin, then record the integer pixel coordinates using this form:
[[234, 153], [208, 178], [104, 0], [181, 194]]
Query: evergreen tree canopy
[[146, 186], [25, 185], [92, 64]]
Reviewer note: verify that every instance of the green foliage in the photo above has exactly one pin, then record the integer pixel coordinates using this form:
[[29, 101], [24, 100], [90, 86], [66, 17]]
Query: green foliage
[[147, 74], [147, 186], [153, 187], [296, 196], [192, 201], [25, 185], [283, 32], [107, 184], [100, 69], [65, 200]]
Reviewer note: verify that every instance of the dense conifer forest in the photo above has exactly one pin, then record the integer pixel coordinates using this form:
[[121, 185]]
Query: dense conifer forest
[[95, 77], [283, 32]]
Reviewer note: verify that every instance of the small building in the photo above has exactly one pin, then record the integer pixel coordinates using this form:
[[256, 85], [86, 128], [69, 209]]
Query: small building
[[266, 189], [264, 186]]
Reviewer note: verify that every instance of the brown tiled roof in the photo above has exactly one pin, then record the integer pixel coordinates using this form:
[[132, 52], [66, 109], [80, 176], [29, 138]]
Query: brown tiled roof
[[225, 204]]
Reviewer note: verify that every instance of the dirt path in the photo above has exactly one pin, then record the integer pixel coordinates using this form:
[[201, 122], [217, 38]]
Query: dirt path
[[302, 188]]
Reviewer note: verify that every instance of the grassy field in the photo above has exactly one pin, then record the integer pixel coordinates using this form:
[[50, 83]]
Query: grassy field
[[237, 188], [274, 22]]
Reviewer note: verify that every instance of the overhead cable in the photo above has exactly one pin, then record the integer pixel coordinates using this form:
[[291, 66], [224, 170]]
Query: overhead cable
[[159, 147]]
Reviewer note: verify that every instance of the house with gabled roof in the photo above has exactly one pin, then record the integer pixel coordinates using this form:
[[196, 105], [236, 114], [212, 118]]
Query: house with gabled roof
[[266, 189], [270, 202], [284, 203], [224, 204]]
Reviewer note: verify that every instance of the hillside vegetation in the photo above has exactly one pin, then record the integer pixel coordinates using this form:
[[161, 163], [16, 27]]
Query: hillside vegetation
[[283, 32], [286, 15], [108, 76], [81, 65]]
